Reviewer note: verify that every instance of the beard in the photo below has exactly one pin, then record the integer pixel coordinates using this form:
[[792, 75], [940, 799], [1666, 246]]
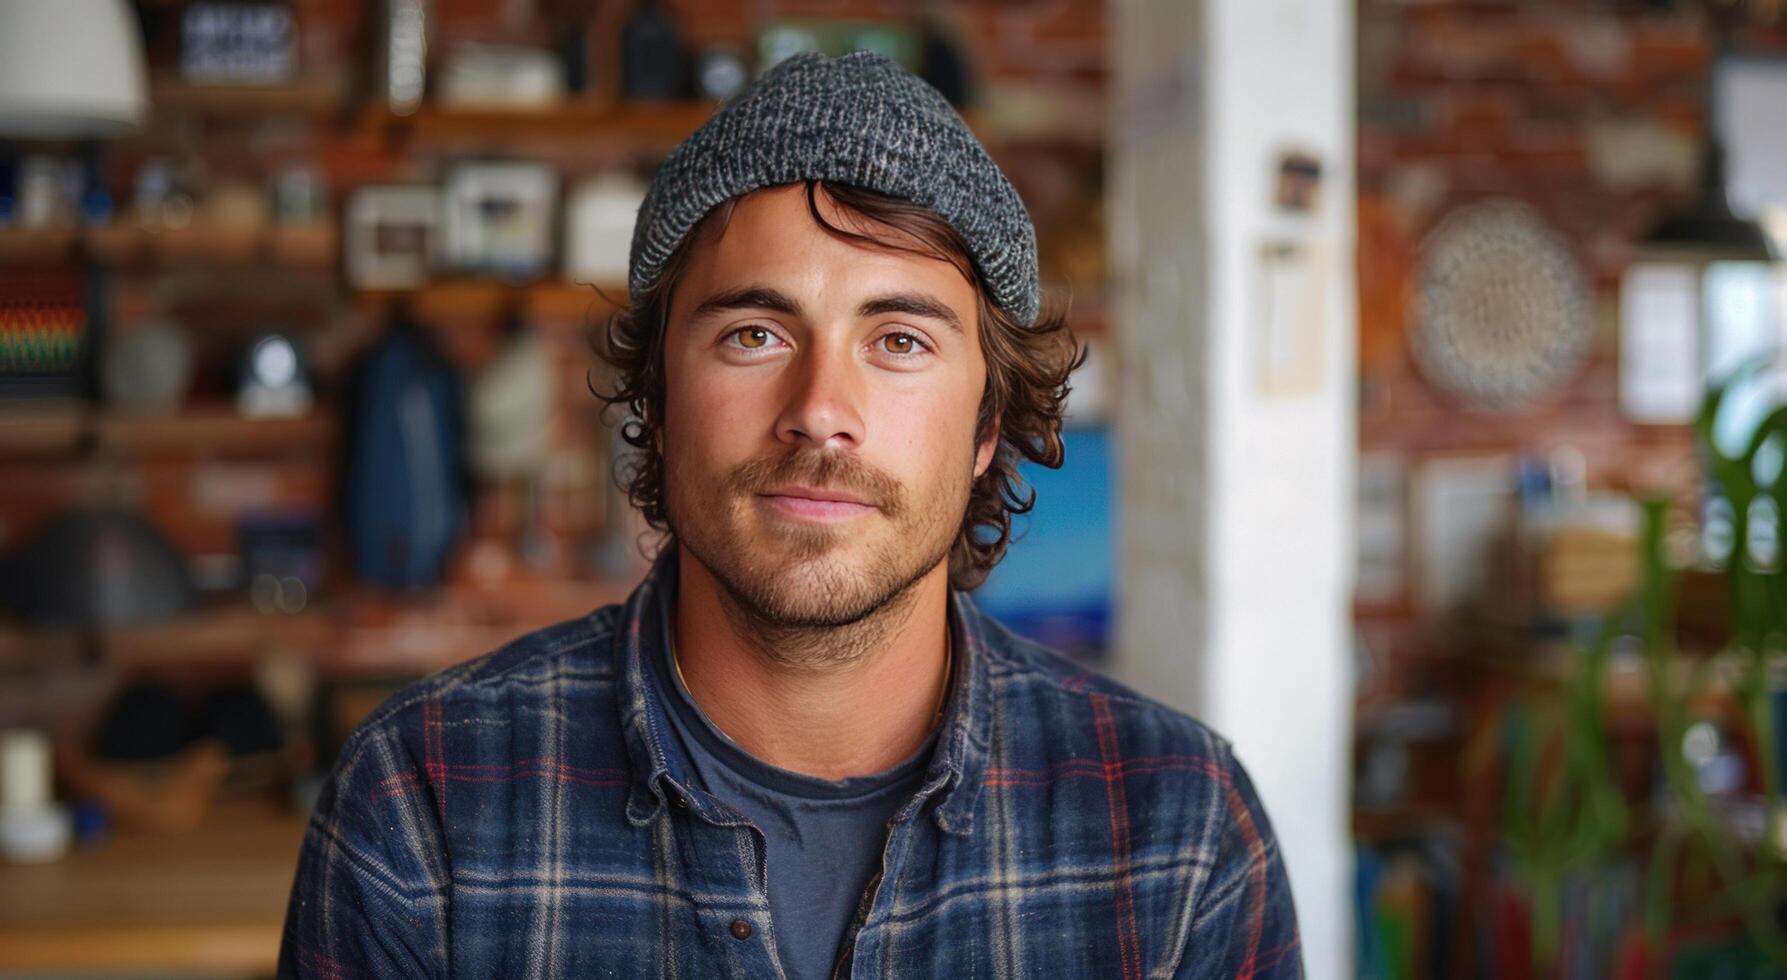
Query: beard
[[815, 593]]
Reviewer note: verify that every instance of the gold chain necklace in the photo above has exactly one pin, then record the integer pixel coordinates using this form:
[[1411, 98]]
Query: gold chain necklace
[[949, 663]]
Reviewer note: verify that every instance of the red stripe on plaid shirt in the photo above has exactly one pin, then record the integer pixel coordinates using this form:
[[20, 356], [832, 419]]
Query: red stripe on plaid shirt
[[328, 968], [1093, 769], [434, 761], [1256, 884], [439, 775], [1129, 943]]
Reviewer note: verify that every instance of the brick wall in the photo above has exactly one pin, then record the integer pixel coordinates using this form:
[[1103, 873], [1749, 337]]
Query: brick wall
[[1590, 112]]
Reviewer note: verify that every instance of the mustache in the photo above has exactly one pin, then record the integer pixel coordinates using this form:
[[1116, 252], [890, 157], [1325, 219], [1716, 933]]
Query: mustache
[[821, 469]]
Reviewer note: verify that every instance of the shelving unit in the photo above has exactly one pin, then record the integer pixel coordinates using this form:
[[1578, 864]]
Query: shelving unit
[[66, 430], [353, 630], [304, 96], [287, 277], [123, 245], [644, 127]]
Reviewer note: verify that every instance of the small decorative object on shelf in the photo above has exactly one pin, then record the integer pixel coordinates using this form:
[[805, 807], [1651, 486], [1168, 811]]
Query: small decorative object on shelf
[[945, 64], [391, 236], [32, 827], [489, 76], [509, 410], [498, 218], [509, 431], [43, 335], [599, 228], [300, 196], [785, 38], [282, 559], [235, 208], [97, 206], [48, 193], [721, 73], [147, 368], [652, 61], [405, 62], [9, 187], [161, 198], [274, 382]]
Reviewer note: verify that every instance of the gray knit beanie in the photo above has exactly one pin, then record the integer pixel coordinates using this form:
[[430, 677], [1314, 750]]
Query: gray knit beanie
[[862, 120]]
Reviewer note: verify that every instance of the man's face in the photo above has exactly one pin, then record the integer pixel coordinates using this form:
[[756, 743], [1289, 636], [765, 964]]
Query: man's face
[[819, 431]]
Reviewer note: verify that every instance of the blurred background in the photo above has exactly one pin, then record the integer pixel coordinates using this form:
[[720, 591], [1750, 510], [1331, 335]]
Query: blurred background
[[1429, 446]]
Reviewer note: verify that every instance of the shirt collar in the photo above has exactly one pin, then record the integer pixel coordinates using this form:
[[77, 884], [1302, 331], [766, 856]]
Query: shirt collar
[[956, 770]]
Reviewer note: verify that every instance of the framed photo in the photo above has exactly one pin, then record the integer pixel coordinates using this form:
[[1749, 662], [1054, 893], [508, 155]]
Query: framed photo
[[1289, 337], [391, 236], [499, 218], [1464, 509], [238, 42], [1380, 576]]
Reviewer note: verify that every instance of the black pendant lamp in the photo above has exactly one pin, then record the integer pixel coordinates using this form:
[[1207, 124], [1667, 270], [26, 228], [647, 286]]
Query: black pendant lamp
[[1708, 226]]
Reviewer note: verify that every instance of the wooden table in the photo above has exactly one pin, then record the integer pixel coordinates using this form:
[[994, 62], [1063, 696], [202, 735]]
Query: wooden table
[[209, 901]]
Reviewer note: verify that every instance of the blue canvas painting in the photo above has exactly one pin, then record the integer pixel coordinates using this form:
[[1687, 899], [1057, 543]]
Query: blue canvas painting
[[1056, 582]]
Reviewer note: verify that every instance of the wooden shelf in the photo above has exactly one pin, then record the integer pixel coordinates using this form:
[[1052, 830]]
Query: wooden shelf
[[60, 432], [214, 432], [657, 125], [33, 431], [352, 630], [630, 126], [37, 246], [309, 96], [308, 246], [482, 299], [226, 634]]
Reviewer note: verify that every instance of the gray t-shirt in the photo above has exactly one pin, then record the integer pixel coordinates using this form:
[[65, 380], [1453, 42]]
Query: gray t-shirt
[[823, 839]]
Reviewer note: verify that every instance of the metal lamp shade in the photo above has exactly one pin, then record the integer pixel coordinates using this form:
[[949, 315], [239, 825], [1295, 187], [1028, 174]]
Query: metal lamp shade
[[97, 568]]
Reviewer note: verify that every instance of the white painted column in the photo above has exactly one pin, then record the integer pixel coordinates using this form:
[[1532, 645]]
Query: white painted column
[[1237, 513]]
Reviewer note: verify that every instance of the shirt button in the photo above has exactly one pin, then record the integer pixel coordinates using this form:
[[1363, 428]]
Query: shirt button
[[741, 929]]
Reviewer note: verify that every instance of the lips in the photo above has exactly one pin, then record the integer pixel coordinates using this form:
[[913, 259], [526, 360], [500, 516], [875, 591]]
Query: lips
[[807, 484], [821, 494], [815, 503]]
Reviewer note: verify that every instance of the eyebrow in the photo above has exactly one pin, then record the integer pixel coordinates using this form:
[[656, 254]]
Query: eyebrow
[[760, 297], [912, 304], [747, 298]]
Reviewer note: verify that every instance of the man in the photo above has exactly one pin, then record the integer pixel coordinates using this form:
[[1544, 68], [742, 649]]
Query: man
[[796, 750]]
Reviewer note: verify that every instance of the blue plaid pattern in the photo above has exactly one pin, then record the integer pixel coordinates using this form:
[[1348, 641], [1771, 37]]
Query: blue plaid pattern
[[530, 814]]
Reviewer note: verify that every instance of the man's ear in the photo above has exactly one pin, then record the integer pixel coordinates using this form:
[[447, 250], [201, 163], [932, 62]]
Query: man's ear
[[983, 453]]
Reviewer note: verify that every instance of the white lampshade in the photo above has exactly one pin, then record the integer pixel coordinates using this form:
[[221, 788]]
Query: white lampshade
[[70, 69]]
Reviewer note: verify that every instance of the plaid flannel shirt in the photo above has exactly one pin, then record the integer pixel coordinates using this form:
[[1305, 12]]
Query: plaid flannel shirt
[[530, 813]]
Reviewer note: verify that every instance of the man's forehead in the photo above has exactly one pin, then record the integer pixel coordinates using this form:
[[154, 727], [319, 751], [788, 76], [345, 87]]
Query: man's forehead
[[773, 232]]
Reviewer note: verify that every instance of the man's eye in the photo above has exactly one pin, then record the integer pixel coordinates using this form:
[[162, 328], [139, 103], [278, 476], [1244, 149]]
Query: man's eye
[[901, 343], [753, 338]]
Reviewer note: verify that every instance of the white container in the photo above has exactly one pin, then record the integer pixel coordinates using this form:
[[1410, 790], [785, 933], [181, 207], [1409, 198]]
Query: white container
[[32, 827]]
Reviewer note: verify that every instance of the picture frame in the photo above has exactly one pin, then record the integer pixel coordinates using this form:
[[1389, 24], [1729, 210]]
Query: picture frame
[[498, 218], [253, 43], [392, 236]]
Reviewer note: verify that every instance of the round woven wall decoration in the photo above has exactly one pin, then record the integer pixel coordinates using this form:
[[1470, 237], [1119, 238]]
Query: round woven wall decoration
[[1502, 309]]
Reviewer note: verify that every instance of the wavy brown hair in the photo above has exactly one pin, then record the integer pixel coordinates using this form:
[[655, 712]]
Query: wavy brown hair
[[1027, 370]]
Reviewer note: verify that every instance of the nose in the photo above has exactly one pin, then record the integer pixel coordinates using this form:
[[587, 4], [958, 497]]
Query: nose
[[822, 405]]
